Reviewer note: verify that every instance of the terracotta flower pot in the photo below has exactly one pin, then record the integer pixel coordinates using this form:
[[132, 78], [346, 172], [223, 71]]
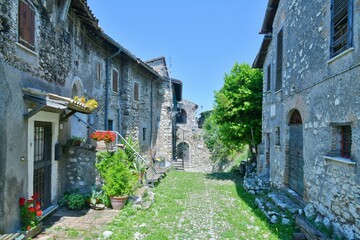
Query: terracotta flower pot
[[118, 203]]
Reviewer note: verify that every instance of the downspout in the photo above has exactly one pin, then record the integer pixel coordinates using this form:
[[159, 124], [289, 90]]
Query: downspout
[[107, 88]]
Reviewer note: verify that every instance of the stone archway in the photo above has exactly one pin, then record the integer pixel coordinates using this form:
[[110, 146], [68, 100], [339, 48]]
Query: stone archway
[[182, 151], [296, 160]]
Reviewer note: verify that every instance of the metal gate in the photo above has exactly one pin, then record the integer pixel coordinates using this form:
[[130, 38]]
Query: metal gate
[[296, 160], [42, 162]]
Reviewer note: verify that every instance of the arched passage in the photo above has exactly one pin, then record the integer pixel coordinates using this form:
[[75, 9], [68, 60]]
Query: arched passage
[[296, 160], [182, 151]]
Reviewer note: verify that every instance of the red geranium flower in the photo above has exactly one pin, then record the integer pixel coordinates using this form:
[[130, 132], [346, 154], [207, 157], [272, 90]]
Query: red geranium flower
[[30, 211], [21, 201]]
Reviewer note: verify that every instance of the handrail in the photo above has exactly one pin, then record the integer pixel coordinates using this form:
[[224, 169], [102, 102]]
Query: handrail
[[116, 142]]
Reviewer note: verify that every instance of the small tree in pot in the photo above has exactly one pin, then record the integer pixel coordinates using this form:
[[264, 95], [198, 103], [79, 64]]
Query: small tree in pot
[[118, 179]]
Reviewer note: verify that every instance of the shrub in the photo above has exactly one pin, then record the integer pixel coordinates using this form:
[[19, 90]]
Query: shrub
[[74, 201]]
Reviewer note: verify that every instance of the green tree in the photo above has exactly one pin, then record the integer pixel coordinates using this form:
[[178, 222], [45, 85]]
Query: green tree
[[219, 152], [237, 108]]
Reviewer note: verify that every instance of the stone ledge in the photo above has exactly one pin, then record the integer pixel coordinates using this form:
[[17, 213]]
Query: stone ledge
[[339, 159]]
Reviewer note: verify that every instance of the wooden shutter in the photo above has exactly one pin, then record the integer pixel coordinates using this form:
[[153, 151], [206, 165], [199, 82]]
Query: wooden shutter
[[115, 81], [98, 71], [279, 60], [136, 91], [268, 78], [341, 26], [26, 25]]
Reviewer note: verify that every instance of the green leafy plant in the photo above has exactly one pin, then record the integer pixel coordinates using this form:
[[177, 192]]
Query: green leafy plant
[[74, 201], [130, 153], [76, 141], [115, 171], [30, 212], [139, 165]]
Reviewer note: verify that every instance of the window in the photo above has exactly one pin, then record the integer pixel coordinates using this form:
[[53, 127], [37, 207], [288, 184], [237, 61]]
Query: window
[[341, 140], [277, 136], [26, 25], [115, 78], [268, 78], [136, 91], [98, 71], [144, 134], [181, 117], [279, 60], [345, 142], [110, 125], [341, 26]]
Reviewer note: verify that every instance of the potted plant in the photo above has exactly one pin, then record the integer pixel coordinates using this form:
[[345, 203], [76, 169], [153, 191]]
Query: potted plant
[[30, 216], [76, 141], [139, 166], [118, 179], [107, 137]]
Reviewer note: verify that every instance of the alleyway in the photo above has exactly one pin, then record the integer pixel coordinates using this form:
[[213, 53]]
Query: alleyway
[[188, 206]]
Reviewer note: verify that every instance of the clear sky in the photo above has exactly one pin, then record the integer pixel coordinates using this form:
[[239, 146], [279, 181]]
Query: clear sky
[[200, 39]]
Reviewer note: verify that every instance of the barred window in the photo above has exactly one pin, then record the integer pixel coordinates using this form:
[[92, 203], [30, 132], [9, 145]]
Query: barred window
[[115, 80]]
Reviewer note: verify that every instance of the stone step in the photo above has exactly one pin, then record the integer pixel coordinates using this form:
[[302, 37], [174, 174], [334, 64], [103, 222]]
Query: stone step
[[284, 202]]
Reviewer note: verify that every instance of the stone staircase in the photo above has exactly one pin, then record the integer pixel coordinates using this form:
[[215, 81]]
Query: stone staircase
[[179, 165], [284, 206]]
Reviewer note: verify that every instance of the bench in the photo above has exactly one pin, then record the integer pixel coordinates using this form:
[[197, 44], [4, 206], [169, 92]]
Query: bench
[[12, 236], [151, 176], [160, 170]]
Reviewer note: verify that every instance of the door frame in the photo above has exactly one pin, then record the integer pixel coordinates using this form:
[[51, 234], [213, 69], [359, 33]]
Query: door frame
[[52, 118]]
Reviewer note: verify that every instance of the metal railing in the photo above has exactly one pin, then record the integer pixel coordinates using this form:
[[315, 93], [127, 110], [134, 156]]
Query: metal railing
[[118, 135]]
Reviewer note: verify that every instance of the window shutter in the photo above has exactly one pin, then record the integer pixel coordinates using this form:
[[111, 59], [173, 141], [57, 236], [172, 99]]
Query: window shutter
[[279, 60], [136, 91], [268, 78], [115, 81], [26, 25]]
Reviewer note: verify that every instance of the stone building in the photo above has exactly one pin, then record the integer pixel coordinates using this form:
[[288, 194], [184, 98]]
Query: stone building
[[51, 51], [310, 56], [191, 152]]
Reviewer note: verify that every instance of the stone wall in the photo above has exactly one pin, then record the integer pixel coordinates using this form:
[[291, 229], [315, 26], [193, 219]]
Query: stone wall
[[189, 133], [80, 174], [323, 91]]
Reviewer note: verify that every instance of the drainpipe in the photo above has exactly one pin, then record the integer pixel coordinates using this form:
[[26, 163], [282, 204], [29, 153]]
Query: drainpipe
[[107, 87]]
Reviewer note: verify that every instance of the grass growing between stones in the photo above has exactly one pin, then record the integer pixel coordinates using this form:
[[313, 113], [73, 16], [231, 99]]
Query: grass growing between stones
[[198, 206]]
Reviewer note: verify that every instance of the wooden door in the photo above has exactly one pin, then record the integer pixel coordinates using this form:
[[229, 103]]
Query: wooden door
[[296, 160], [42, 162]]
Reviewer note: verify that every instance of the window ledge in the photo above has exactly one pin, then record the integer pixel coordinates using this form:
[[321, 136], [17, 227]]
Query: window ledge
[[277, 146], [27, 49], [347, 51], [339, 159]]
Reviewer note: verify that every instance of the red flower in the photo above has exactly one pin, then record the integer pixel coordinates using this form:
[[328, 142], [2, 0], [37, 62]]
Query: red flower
[[28, 227], [21, 201], [31, 209], [39, 213], [35, 196]]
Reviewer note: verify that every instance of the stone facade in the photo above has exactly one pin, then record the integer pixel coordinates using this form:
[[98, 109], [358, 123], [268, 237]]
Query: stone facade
[[191, 150], [71, 56], [318, 96]]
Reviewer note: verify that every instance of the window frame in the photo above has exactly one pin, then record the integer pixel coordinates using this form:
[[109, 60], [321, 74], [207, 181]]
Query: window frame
[[144, 134], [110, 125], [279, 59], [115, 82], [26, 25], [349, 28], [341, 140]]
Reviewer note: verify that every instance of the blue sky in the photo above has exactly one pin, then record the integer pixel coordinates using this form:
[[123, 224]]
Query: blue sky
[[201, 40]]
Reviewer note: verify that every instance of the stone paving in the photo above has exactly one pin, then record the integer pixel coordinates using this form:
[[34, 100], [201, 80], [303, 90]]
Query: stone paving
[[84, 224]]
